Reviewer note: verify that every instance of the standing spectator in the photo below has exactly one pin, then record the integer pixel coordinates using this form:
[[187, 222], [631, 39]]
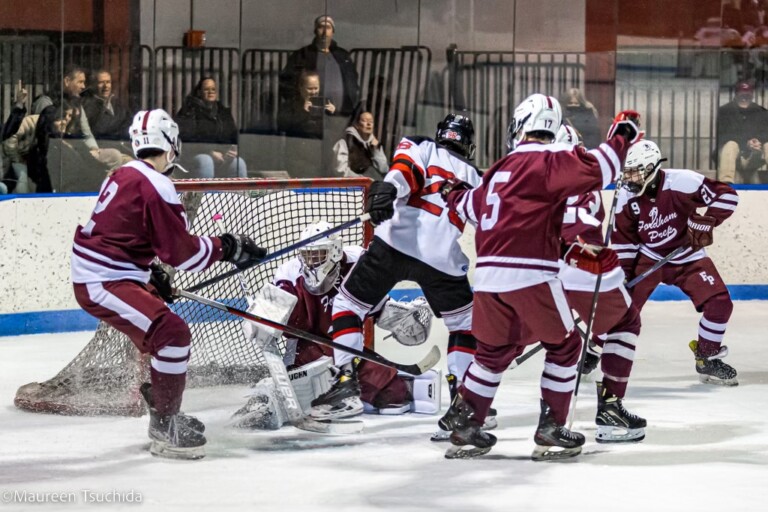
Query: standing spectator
[[205, 119], [95, 160], [359, 152], [742, 137], [657, 214], [340, 83], [138, 217], [107, 117], [582, 115], [518, 210], [303, 115]]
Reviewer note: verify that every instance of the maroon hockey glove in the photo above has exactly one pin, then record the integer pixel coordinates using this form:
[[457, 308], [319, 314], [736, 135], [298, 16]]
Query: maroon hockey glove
[[608, 259], [700, 229], [380, 202], [161, 280], [627, 124], [591, 258], [241, 250], [452, 184]]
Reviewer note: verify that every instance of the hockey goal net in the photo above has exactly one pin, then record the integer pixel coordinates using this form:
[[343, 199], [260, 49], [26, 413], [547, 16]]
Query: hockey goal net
[[104, 378]]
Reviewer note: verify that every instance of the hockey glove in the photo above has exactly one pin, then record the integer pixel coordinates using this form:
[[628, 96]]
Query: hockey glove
[[241, 250], [626, 123], [380, 202], [161, 280], [591, 258], [452, 184], [700, 228]]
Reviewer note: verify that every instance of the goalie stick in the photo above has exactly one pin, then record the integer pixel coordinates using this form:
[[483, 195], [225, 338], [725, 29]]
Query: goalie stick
[[430, 360], [281, 252], [279, 375]]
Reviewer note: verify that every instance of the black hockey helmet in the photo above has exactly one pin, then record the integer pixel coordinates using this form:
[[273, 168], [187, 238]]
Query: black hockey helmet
[[457, 133]]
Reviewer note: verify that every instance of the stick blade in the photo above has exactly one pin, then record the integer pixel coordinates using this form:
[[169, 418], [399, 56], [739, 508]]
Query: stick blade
[[427, 362]]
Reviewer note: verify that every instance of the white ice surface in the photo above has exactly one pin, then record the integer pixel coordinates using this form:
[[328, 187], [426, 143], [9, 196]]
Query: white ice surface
[[706, 447]]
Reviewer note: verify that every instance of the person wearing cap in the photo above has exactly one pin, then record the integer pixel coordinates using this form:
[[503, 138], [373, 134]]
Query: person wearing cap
[[742, 137], [339, 79]]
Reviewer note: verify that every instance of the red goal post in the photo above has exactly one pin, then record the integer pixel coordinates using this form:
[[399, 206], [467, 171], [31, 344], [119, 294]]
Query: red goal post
[[104, 378]]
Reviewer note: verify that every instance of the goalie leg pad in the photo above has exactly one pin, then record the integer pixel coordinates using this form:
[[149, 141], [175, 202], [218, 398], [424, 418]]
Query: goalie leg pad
[[263, 411], [426, 392], [311, 380]]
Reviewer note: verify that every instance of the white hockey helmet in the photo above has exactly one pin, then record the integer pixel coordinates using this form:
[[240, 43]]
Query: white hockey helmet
[[537, 113], [155, 129], [320, 259], [641, 165], [567, 134]]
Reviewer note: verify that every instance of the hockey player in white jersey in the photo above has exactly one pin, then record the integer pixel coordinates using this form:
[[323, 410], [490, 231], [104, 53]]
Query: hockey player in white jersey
[[416, 239]]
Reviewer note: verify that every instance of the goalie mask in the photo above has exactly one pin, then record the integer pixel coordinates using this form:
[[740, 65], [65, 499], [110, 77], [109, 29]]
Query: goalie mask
[[641, 166], [457, 133], [539, 115], [320, 259]]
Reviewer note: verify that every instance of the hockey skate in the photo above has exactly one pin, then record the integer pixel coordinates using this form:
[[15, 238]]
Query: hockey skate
[[447, 423], [553, 441], [468, 438], [342, 400], [614, 423], [189, 422], [712, 369]]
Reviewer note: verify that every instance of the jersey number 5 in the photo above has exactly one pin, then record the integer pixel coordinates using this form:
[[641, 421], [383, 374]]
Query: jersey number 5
[[493, 200]]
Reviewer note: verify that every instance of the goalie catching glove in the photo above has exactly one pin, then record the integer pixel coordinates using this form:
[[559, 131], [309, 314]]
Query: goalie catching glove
[[380, 202], [409, 322], [591, 258], [241, 250], [700, 231]]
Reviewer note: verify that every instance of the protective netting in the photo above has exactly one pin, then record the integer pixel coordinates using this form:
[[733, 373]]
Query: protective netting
[[104, 378]]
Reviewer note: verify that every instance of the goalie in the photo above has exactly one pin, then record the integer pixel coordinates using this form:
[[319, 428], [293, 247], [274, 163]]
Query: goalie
[[311, 279]]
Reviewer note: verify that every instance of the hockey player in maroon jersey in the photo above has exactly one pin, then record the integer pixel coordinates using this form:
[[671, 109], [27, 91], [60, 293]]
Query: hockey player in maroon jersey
[[419, 243], [615, 317], [656, 214], [138, 217], [518, 211], [314, 277]]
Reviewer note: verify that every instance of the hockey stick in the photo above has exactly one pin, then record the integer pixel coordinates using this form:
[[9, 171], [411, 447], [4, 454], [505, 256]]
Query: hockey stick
[[430, 360], [279, 375], [281, 252]]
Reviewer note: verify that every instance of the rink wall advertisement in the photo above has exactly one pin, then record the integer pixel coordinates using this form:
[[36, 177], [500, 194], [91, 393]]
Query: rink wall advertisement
[[37, 231]]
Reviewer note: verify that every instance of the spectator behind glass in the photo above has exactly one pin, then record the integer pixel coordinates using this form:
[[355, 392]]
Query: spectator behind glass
[[582, 115], [303, 116], [742, 137], [340, 83], [27, 149], [107, 117], [95, 160], [359, 153], [205, 119]]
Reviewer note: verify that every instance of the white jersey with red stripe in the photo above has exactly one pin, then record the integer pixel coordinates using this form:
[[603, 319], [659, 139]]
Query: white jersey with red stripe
[[138, 216], [422, 226]]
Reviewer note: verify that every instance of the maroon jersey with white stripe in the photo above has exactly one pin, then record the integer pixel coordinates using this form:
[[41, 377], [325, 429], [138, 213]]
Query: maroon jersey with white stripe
[[518, 209], [584, 216], [138, 216], [312, 313], [656, 226]]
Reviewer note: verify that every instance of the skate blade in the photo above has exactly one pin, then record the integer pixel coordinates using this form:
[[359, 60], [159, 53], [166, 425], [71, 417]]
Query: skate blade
[[709, 379], [161, 449], [465, 452], [441, 436], [333, 428], [325, 412], [554, 453], [608, 434]]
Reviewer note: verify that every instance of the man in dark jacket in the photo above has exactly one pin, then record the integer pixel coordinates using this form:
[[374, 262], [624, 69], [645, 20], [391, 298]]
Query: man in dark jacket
[[334, 65], [742, 137], [109, 119]]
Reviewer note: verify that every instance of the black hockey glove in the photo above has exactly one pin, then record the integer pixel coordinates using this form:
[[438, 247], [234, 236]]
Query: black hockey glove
[[380, 202], [161, 280], [241, 250]]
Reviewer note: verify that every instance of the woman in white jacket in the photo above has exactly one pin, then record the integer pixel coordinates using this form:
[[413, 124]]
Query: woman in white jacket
[[359, 153]]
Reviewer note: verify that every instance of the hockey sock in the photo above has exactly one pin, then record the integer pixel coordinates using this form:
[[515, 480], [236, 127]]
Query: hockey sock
[[461, 349], [714, 320], [479, 388]]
